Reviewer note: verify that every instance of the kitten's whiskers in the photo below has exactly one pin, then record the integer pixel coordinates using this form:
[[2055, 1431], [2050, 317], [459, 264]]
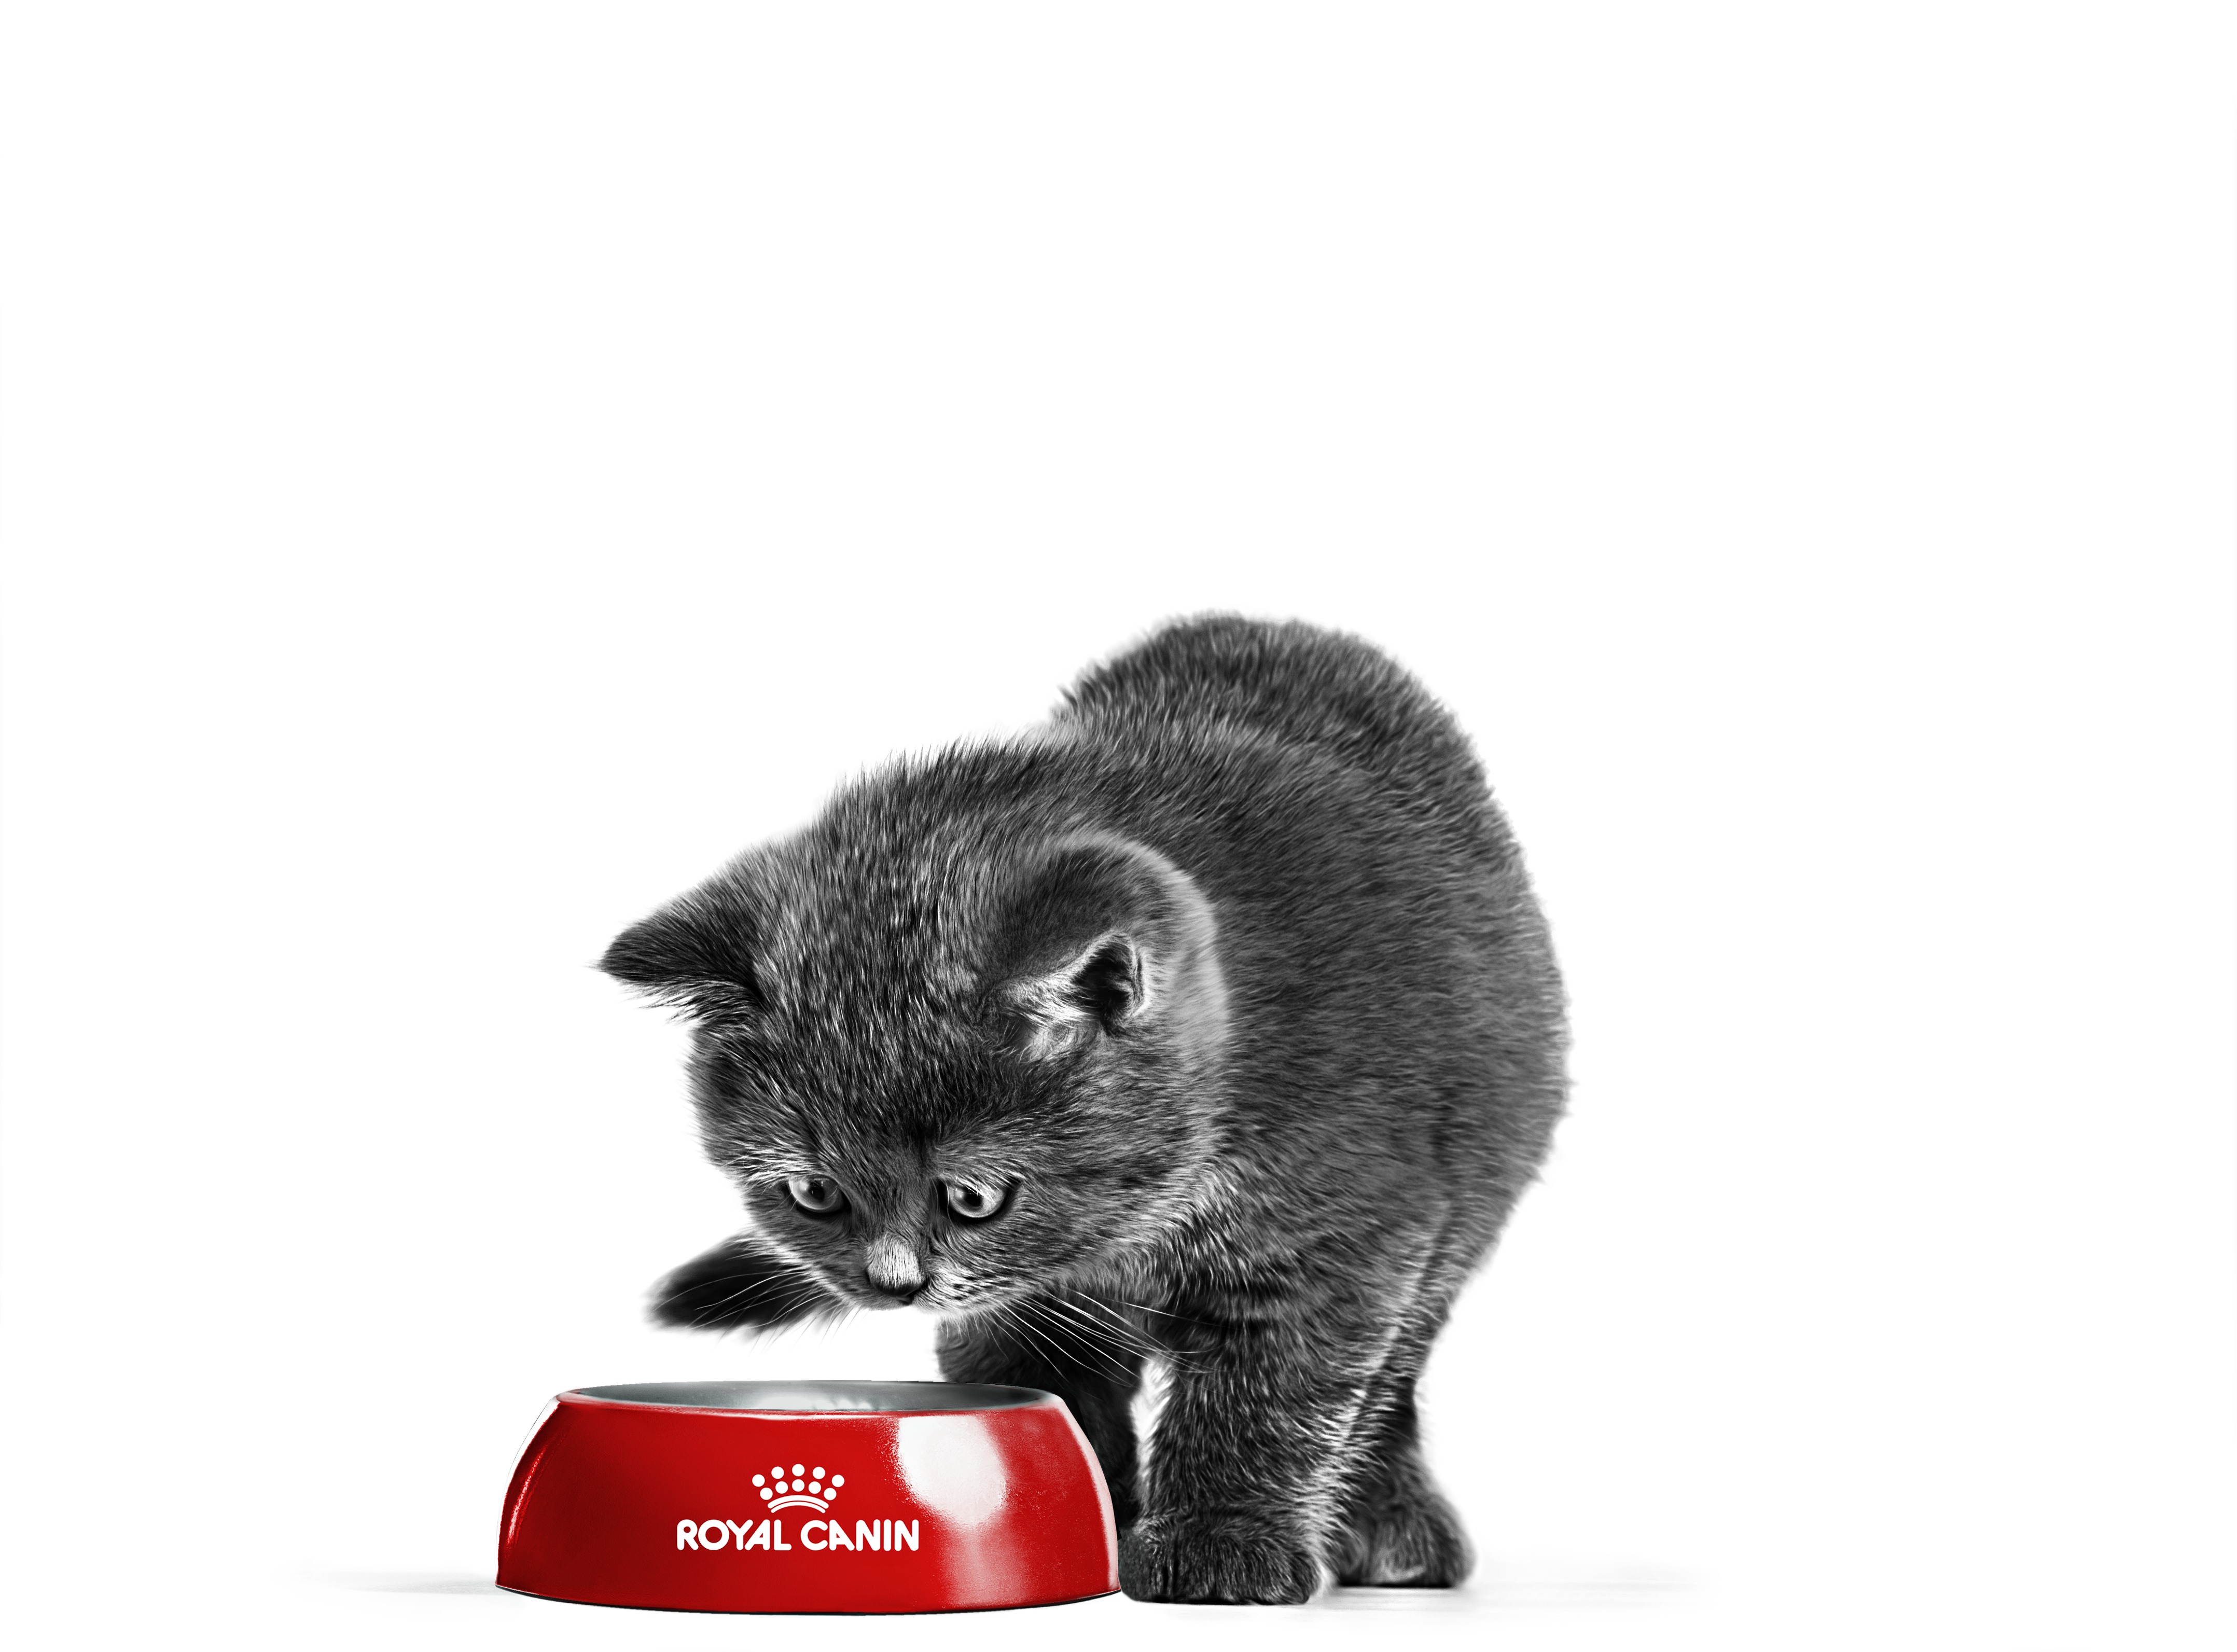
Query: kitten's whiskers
[[1091, 1340]]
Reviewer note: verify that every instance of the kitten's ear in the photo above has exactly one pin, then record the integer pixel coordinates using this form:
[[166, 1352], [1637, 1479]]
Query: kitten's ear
[[697, 952], [740, 1284], [1106, 937]]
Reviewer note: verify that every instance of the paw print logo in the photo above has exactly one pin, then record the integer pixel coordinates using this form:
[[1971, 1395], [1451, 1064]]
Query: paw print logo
[[800, 1488]]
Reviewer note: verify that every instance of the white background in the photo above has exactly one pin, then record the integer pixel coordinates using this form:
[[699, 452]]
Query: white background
[[470, 469]]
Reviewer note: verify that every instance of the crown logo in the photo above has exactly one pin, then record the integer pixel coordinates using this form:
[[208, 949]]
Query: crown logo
[[804, 1487]]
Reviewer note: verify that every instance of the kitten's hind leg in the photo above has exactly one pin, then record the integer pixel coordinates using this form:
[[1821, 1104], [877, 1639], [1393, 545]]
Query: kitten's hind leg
[[1079, 1350], [1397, 1530]]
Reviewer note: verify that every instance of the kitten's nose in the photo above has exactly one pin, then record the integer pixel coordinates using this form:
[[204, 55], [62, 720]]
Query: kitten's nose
[[893, 1267]]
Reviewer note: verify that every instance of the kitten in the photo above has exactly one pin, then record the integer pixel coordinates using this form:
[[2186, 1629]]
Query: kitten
[[1213, 1021]]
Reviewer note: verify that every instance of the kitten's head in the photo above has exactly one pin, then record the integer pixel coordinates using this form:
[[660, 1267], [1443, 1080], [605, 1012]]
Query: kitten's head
[[945, 1070]]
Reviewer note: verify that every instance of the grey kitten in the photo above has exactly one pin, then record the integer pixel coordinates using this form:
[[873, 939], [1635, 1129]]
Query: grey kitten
[[1212, 1021]]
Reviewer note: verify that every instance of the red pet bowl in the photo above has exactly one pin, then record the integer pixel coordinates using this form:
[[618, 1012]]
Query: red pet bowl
[[808, 1498]]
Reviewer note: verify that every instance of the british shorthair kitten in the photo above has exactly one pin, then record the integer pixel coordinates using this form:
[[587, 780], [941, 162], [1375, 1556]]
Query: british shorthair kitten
[[1212, 1023]]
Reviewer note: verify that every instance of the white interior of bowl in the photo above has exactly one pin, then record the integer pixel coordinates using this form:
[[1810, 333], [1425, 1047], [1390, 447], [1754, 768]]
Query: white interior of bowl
[[818, 1396]]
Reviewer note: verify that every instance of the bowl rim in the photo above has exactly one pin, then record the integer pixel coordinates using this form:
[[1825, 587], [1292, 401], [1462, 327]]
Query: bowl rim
[[807, 1397]]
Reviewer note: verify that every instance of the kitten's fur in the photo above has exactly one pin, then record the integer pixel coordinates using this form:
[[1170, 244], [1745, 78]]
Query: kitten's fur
[[1232, 973]]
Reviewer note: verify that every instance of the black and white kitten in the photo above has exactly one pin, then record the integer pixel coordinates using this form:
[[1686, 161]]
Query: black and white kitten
[[1212, 1021]]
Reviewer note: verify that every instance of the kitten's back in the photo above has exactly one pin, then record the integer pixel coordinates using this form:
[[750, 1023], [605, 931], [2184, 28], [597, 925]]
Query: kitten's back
[[1295, 684]]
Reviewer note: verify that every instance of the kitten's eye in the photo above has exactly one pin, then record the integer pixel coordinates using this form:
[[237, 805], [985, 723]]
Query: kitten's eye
[[974, 1201], [817, 1195]]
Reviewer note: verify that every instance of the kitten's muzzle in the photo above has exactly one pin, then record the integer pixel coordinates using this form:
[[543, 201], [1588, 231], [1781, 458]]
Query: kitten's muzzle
[[892, 1271]]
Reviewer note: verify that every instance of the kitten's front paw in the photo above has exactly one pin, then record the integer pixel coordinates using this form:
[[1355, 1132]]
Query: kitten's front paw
[[1224, 1555]]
